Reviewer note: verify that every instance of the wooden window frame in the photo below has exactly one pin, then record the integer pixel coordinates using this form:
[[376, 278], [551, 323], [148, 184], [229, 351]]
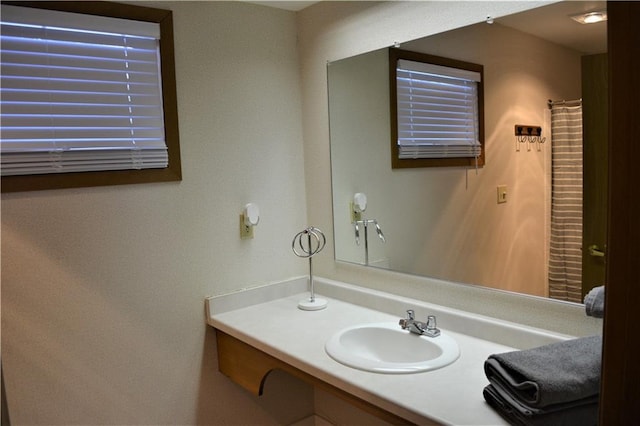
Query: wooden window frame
[[397, 163], [169, 99]]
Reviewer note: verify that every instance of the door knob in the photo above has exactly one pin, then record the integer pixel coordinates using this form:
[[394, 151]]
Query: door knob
[[595, 251]]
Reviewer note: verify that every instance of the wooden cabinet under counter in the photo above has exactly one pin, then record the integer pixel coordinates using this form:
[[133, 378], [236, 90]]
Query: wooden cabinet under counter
[[249, 367]]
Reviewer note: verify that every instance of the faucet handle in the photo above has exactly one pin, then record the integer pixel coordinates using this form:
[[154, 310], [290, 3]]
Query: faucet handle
[[431, 322], [406, 322], [431, 330]]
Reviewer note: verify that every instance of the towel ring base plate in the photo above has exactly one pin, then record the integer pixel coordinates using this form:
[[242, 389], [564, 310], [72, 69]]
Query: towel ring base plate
[[312, 305]]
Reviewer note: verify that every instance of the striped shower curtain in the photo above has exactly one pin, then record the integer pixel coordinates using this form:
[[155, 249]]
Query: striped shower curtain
[[565, 252]]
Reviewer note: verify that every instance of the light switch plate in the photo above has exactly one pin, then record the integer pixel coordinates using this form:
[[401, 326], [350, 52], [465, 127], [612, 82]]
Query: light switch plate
[[502, 194]]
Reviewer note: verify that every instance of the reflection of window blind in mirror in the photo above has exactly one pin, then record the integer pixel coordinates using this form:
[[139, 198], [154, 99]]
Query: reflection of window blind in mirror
[[79, 93], [437, 111]]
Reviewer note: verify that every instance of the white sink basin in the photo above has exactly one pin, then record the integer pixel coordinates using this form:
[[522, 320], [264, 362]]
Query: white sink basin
[[387, 348]]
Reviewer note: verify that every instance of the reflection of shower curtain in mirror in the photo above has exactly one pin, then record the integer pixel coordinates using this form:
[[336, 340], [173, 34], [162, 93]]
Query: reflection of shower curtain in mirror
[[565, 254]]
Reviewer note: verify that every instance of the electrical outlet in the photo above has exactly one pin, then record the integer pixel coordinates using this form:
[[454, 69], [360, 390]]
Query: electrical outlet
[[354, 214], [502, 194], [246, 232]]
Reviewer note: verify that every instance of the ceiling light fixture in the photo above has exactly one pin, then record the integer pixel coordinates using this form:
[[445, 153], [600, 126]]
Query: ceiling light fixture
[[590, 17]]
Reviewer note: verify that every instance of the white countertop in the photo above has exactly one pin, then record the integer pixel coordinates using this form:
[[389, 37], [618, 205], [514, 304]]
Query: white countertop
[[450, 395]]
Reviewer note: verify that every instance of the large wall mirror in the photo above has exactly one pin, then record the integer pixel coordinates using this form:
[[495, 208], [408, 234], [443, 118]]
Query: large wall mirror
[[500, 225]]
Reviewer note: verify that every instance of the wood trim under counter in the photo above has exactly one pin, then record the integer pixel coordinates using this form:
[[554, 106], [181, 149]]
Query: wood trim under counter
[[249, 367]]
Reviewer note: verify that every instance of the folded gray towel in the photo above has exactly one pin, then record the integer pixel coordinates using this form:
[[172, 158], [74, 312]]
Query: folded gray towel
[[519, 408], [581, 414], [594, 302], [558, 373]]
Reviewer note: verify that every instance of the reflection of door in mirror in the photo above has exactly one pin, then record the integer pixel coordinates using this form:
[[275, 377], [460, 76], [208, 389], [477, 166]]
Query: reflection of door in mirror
[[595, 135]]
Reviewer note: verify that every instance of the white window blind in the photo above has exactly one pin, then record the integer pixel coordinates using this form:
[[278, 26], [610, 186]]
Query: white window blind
[[79, 93], [437, 111]]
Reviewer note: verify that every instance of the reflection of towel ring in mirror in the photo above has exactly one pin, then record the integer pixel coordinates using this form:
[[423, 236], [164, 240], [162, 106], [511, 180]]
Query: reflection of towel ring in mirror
[[365, 224], [315, 242]]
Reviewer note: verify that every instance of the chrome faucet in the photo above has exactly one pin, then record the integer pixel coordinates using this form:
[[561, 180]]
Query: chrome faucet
[[418, 327]]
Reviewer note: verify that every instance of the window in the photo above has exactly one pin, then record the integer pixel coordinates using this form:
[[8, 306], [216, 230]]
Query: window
[[87, 97], [437, 114]]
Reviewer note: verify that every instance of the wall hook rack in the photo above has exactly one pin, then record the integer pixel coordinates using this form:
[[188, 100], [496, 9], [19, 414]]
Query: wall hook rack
[[529, 134]]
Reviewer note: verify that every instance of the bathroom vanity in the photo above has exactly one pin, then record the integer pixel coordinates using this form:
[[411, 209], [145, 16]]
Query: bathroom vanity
[[262, 329]]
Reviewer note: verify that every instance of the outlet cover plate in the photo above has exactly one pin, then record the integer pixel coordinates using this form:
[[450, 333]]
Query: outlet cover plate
[[246, 232]]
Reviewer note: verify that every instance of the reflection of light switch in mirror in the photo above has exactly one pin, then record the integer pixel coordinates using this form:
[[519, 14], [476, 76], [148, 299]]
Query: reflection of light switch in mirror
[[502, 194], [248, 219]]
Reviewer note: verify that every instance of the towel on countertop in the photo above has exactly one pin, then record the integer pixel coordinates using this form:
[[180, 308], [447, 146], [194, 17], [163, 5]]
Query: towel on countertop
[[561, 372], [594, 302], [578, 414]]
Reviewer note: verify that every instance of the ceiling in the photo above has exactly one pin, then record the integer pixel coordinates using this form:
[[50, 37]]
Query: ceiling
[[550, 22], [553, 23]]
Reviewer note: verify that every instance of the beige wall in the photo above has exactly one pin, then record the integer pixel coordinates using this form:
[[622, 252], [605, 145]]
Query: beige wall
[[103, 289], [446, 222]]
